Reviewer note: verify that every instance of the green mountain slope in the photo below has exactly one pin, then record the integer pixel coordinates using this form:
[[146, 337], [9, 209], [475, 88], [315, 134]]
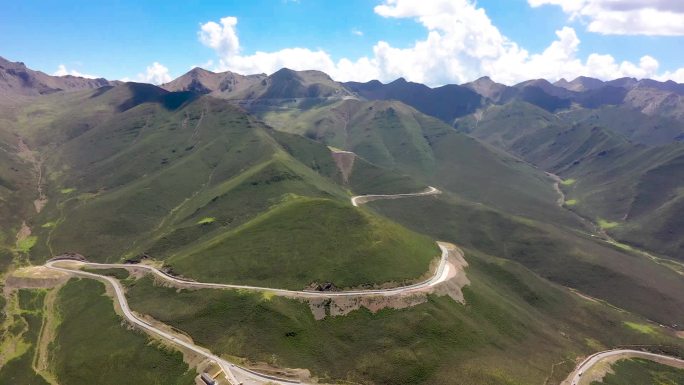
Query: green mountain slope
[[218, 196], [394, 136], [212, 193], [497, 203], [515, 328], [634, 189], [93, 345], [561, 255], [304, 240]]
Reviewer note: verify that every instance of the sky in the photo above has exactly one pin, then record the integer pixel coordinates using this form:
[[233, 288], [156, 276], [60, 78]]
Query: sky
[[434, 42]]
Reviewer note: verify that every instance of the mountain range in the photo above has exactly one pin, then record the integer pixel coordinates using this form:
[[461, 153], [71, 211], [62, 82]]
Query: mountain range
[[567, 199]]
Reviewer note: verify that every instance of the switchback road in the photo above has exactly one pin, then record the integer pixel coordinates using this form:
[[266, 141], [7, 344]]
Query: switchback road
[[236, 374]]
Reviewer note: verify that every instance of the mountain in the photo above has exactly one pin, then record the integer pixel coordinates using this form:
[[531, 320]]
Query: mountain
[[282, 87], [181, 181], [580, 84], [251, 184], [395, 136], [473, 173], [446, 103], [201, 81], [613, 179], [491, 90], [17, 79]]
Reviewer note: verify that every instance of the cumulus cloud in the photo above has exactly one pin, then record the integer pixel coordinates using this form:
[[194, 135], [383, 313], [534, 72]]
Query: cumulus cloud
[[155, 74], [461, 44], [63, 71], [221, 37], [625, 17]]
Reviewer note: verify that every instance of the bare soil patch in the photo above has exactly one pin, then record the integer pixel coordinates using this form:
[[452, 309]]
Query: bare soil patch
[[35, 277], [322, 307], [345, 162]]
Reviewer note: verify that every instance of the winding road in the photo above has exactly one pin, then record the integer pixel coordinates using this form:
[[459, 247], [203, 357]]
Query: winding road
[[231, 371], [236, 374], [361, 199], [576, 376], [441, 275]]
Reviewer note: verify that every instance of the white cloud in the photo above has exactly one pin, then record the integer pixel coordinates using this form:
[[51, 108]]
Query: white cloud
[[625, 17], [357, 32], [63, 71], [461, 45], [676, 75], [221, 37], [155, 74]]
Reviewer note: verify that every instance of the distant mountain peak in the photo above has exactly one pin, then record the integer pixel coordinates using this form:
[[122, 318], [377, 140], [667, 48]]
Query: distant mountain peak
[[17, 79], [580, 84], [199, 70], [488, 88]]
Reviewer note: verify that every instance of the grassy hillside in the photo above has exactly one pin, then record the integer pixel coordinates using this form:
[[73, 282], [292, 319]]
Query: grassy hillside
[[638, 371], [512, 330], [652, 129], [304, 240], [135, 175], [635, 187], [25, 325], [217, 195], [18, 181], [93, 346], [396, 137], [198, 183], [567, 257], [446, 103]]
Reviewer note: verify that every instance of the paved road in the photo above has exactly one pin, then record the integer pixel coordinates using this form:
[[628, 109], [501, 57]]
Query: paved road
[[361, 199], [231, 371], [236, 374], [595, 358], [441, 275]]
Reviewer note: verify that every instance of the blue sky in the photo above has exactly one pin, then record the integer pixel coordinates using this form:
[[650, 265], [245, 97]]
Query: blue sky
[[121, 39]]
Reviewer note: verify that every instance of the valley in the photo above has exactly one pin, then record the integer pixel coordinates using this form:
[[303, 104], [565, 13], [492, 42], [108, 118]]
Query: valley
[[289, 228]]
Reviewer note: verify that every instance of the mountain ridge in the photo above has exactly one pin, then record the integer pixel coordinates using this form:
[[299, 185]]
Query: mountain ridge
[[17, 79]]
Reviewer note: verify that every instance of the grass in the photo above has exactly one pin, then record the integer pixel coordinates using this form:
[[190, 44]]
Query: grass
[[413, 150], [571, 202], [641, 328], [285, 248], [149, 182], [620, 178], [206, 220], [593, 267], [66, 191], [568, 182], [25, 245], [513, 328], [92, 344], [117, 273], [607, 225], [19, 370], [49, 225], [638, 371]]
